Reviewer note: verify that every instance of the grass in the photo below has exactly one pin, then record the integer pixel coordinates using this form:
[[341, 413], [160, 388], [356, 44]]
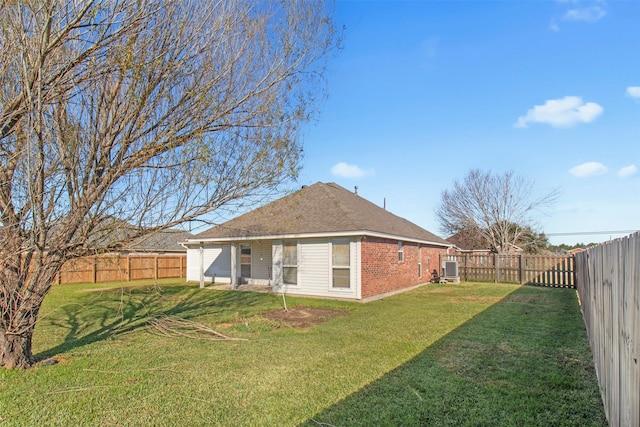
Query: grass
[[522, 362], [474, 354]]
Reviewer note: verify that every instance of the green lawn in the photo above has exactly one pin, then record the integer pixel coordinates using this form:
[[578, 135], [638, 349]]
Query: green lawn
[[475, 354]]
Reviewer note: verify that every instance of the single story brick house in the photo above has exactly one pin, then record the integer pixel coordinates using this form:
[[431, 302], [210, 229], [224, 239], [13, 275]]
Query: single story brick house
[[322, 240]]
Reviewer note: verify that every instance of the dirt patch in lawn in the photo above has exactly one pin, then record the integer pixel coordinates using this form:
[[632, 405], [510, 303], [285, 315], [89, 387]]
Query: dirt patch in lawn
[[304, 317]]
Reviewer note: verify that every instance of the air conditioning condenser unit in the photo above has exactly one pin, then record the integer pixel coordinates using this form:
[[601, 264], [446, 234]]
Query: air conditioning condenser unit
[[451, 271]]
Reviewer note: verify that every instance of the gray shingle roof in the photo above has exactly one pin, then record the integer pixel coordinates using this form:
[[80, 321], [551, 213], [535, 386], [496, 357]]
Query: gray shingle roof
[[468, 240], [162, 241], [319, 208]]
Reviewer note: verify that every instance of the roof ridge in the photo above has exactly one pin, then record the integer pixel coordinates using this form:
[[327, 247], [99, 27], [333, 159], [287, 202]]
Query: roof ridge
[[319, 208], [343, 208], [350, 213], [372, 204]]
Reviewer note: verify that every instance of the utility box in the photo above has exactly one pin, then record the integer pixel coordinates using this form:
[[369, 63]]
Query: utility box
[[450, 271]]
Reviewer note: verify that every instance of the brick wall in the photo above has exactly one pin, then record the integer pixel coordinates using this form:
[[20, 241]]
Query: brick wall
[[382, 272]]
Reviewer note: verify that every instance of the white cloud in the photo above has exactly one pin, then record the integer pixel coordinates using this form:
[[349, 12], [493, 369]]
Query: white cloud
[[345, 170], [633, 91], [588, 169], [563, 112], [588, 11], [585, 14], [628, 171]]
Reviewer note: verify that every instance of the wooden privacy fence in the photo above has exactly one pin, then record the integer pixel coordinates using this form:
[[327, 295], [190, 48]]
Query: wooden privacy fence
[[608, 279], [556, 271], [123, 268]]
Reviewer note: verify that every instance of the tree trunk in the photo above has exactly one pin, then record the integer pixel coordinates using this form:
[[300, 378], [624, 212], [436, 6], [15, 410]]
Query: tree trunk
[[20, 304], [15, 350]]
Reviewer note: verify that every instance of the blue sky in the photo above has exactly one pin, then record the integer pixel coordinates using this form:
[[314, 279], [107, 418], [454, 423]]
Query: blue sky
[[424, 91]]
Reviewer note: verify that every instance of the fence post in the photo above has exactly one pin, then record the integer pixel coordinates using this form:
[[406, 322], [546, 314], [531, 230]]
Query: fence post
[[573, 278], [466, 259], [521, 269], [94, 268]]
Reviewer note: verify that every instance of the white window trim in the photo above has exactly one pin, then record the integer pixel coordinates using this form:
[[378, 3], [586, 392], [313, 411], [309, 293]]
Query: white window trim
[[250, 259], [296, 266], [400, 251], [332, 288]]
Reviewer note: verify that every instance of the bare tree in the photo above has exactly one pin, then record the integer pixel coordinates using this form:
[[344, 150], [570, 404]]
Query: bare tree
[[147, 114], [500, 208]]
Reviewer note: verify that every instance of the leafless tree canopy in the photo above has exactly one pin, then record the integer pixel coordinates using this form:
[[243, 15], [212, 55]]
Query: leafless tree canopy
[[147, 113], [501, 208]]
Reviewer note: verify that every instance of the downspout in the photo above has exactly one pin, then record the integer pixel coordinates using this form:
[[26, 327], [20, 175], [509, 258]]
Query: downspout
[[201, 265], [359, 267]]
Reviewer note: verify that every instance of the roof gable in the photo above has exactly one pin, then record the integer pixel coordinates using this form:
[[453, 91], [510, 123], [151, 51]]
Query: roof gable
[[319, 208], [470, 241]]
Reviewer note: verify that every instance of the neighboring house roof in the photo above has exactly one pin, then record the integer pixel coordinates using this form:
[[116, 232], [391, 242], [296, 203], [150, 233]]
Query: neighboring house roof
[[162, 241], [321, 208], [469, 241]]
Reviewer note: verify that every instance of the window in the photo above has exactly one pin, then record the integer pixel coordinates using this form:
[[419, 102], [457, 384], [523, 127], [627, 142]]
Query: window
[[245, 260], [340, 264], [400, 252], [290, 263], [419, 261]]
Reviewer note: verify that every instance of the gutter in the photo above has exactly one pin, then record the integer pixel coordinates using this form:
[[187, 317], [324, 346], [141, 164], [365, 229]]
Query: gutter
[[190, 242]]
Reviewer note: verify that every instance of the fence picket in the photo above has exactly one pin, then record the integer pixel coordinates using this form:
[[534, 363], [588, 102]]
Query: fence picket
[[608, 283], [557, 271], [123, 268]]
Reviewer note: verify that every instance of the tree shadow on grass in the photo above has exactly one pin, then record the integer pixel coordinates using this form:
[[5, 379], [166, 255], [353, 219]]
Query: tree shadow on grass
[[104, 314], [523, 361]]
